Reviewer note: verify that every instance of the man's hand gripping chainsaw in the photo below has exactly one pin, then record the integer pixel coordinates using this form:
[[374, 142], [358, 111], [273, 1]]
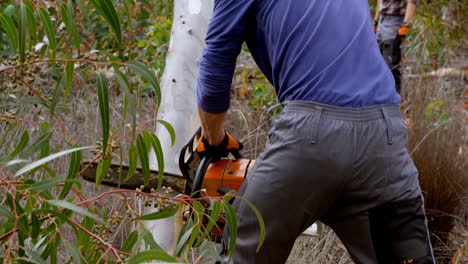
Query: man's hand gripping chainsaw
[[215, 153]]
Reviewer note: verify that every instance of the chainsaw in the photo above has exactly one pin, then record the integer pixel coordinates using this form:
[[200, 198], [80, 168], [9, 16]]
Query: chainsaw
[[201, 177], [204, 178]]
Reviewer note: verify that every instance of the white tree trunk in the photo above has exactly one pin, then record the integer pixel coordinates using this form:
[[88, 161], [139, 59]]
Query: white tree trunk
[[178, 102], [178, 84]]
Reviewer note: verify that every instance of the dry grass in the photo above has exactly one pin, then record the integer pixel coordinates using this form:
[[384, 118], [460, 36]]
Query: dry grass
[[438, 145], [326, 249]]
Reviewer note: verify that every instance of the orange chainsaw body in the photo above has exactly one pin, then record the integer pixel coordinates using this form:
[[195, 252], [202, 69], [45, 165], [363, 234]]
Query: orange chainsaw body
[[227, 173]]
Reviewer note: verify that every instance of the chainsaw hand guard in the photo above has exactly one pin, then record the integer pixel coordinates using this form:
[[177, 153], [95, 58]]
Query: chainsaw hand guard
[[228, 145]]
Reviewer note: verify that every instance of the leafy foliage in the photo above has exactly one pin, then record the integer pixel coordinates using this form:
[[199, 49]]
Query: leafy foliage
[[438, 32], [254, 85], [49, 50]]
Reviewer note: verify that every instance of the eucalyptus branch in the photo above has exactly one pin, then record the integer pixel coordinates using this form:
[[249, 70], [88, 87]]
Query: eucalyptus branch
[[12, 117], [104, 63]]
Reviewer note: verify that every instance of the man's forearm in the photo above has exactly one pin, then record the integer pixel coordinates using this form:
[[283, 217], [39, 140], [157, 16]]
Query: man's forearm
[[377, 13], [212, 125], [410, 12]]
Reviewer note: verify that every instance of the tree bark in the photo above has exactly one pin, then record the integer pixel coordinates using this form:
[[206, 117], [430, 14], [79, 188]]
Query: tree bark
[[178, 102]]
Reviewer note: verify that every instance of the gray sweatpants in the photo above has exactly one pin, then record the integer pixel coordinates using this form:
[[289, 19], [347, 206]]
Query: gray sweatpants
[[348, 168]]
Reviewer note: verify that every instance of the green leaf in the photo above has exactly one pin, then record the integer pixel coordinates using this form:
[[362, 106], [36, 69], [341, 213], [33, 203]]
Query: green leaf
[[161, 214], [132, 162], [11, 162], [34, 257], [231, 221], [69, 71], [73, 252], [68, 17], [35, 226], [212, 219], [47, 184], [73, 169], [72, 24], [82, 237], [40, 246], [107, 10], [32, 28], [149, 239], [51, 249], [125, 84], [22, 27], [209, 253], [103, 95], [185, 234], [156, 144], [170, 129], [74, 208], [55, 98], [9, 26], [12, 128], [10, 10], [147, 75], [38, 144], [46, 159], [260, 222], [6, 212], [151, 255], [48, 28], [102, 169], [144, 158], [199, 211], [21, 145], [130, 242], [23, 225]]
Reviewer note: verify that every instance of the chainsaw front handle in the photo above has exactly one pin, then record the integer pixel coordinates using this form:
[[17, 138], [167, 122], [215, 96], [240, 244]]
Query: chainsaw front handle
[[199, 176]]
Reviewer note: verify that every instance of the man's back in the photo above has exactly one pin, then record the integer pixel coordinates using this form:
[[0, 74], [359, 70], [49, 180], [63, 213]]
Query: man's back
[[317, 51], [347, 167]]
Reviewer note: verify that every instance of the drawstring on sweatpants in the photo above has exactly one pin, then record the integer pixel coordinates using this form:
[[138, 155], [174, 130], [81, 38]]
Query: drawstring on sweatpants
[[315, 128], [388, 121]]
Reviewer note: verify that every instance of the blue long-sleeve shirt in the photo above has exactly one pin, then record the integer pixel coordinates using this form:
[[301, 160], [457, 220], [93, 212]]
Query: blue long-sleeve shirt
[[321, 51]]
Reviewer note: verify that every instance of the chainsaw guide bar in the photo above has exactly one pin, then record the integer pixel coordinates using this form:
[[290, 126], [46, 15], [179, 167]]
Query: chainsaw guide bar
[[117, 173]]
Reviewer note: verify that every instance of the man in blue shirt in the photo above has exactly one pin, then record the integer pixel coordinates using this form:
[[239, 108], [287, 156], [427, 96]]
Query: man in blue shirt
[[337, 152]]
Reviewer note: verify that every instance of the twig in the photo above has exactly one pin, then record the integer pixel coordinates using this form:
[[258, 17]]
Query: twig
[[113, 250], [59, 60], [19, 119]]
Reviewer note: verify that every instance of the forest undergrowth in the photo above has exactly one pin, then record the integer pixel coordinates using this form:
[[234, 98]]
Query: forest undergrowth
[[435, 107]]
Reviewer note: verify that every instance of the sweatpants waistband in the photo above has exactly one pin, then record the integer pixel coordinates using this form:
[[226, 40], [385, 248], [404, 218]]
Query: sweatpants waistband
[[344, 113]]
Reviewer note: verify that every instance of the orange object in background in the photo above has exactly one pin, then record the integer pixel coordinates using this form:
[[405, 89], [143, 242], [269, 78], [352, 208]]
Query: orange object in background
[[227, 173], [403, 30]]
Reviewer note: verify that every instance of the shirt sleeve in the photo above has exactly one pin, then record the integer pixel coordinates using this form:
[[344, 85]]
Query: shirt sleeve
[[226, 33]]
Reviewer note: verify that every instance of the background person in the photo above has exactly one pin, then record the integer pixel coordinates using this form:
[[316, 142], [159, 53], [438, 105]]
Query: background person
[[391, 25]]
